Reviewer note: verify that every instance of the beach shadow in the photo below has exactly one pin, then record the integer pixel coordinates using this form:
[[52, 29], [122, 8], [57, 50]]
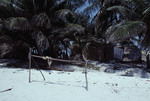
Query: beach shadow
[[57, 83]]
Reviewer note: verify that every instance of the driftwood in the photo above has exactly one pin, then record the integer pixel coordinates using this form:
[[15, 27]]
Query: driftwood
[[6, 90]]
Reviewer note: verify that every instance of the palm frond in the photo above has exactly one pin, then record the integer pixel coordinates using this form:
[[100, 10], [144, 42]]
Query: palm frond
[[92, 8], [81, 19], [18, 11], [74, 28], [145, 43], [7, 47], [5, 2], [17, 24], [125, 12], [59, 5], [41, 41], [92, 1], [63, 14], [95, 40], [1, 22], [41, 20], [71, 28], [108, 3], [146, 13], [139, 6], [9, 7], [77, 3], [125, 30], [68, 31], [5, 7]]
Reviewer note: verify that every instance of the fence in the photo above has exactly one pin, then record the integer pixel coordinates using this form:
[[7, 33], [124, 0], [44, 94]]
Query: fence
[[49, 61]]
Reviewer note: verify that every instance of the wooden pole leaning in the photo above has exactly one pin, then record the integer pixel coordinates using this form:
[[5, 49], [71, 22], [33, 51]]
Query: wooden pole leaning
[[29, 56], [38, 68]]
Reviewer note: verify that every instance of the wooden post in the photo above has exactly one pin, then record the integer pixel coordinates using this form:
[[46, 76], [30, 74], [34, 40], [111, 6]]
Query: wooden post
[[29, 56], [86, 62], [86, 75]]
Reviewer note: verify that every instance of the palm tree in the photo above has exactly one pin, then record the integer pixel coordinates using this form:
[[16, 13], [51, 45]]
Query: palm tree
[[41, 25], [121, 20]]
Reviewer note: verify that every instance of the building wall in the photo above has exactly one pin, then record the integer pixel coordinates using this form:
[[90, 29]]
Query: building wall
[[118, 53], [127, 53]]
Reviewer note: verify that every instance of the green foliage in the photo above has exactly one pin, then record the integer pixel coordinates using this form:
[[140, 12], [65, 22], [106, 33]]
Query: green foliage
[[74, 27], [17, 24], [124, 12], [64, 14], [5, 7], [145, 43], [70, 30], [125, 30], [92, 8], [146, 13], [41, 20], [41, 40]]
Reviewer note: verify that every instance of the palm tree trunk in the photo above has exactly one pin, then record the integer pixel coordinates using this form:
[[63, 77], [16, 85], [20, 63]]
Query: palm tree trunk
[[66, 53]]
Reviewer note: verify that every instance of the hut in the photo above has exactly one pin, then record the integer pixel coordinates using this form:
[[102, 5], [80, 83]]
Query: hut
[[100, 52], [127, 53]]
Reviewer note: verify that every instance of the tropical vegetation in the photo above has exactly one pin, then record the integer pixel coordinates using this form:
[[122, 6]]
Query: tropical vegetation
[[50, 27], [57, 29], [122, 21]]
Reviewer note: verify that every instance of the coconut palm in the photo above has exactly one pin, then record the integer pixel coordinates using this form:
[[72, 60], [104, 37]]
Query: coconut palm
[[40, 24], [122, 20]]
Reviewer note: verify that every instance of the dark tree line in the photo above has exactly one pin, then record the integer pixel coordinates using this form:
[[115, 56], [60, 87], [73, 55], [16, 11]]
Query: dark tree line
[[55, 28]]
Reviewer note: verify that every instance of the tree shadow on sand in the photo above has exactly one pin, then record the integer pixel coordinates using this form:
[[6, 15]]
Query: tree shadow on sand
[[57, 83]]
